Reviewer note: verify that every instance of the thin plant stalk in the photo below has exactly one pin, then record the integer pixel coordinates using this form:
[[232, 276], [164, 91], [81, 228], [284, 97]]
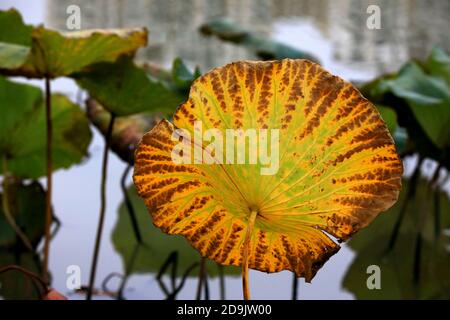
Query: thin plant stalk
[[221, 282], [172, 261], [40, 284], [136, 230], [129, 205], [419, 237], [183, 280], [7, 210], [248, 236], [417, 259], [205, 286], [434, 183], [294, 287], [48, 195], [411, 190], [128, 271], [437, 215], [435, 178], [201, 277], [102, 207]]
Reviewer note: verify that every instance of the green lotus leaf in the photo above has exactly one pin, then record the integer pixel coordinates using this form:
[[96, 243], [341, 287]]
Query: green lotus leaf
[[389, 116], [402, 276], [23, 133], [15, 45], [27, 205], [426, 95], [438, 64], [182, 76], [124, 89], [15, 285]]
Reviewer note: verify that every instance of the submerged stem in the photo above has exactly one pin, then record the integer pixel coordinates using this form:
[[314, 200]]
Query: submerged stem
[[7, 210], [41, 283], [248, 236], [102, 207], [129, 205], [48, 195], [294, 287], [221, 282], [201, 277], [410, 192], [128, 270]]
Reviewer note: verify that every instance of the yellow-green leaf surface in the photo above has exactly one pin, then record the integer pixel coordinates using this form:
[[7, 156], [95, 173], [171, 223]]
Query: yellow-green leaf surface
[[49, 53], [338, 167]]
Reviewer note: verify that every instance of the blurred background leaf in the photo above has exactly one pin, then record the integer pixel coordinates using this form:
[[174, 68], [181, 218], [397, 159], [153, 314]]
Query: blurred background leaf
[[154, 92], [263, 47], [23, 133], [27, 205], [15, 45], [389, 116], [127, 131], [428, 97], [438, 64], [418, 267], [125, 89], [182, 76], [15, 285], [420, 95]]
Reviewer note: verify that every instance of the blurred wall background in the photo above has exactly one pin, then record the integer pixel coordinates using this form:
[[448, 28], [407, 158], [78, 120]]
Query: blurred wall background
[[409, 28]]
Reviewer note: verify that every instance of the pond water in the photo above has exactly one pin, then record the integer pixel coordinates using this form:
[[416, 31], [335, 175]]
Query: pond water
[[335, 31]]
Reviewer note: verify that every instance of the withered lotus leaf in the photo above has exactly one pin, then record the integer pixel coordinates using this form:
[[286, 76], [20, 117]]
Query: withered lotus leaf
[[37, 52], [338, 167]]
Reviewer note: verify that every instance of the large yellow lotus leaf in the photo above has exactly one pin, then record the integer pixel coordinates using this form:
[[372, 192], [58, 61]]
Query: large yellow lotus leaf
[[338, 167]]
